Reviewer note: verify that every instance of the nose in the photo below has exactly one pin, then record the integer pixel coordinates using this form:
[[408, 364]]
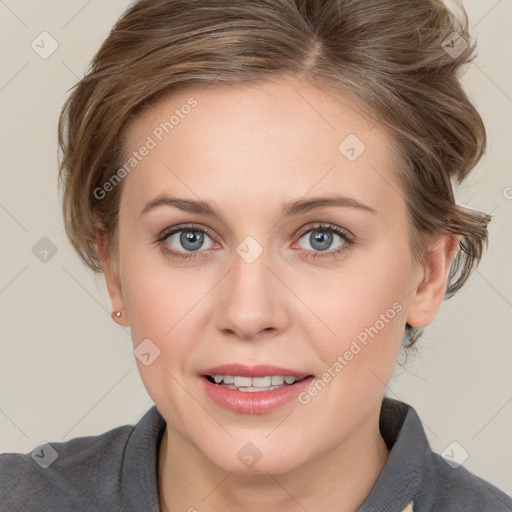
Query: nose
[[253, 300]]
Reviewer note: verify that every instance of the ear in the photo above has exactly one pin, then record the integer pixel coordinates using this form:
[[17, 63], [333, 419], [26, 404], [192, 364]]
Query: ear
[[111, 273], [429, 293]]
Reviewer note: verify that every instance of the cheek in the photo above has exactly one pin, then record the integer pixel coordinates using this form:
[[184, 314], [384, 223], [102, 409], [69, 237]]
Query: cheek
[[161, 303], [155, 293], [356, 295], [165, 304], [365, 307], [163, 309]]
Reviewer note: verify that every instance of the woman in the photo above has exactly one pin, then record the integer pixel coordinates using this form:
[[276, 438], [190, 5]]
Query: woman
[[266, 187]]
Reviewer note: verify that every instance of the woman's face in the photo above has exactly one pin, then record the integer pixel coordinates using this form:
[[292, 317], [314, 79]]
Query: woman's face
[[255, 280]]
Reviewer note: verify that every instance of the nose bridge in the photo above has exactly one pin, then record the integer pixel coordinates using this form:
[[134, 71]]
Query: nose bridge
[[250, 286], [251, 296]]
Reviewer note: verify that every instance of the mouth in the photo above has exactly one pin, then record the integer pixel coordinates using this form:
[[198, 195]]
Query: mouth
[[259, 394], [254, 384], [254, 389]]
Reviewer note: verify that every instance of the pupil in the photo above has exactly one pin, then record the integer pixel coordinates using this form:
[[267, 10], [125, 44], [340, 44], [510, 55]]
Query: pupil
[[321, 240], [191, 240]]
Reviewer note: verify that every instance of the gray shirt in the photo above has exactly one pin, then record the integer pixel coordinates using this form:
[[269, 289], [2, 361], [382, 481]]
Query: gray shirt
[[117, 471]]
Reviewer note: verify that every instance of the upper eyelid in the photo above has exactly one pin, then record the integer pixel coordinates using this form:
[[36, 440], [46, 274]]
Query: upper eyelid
[[176, 229]]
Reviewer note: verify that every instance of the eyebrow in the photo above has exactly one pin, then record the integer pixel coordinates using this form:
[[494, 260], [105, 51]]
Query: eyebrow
[[290, 208]]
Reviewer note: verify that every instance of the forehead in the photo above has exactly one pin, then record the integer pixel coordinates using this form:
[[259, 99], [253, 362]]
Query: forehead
[[277, 138], [288, 107]]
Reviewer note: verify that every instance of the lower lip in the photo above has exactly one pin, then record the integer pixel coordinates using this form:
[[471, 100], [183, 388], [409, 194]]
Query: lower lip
[[256, 402]]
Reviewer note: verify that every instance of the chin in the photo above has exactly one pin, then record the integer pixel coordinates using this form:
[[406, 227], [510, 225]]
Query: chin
[[247, 459]]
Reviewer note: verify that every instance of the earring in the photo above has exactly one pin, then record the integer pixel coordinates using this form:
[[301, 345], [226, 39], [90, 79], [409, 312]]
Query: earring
[[116, 314]]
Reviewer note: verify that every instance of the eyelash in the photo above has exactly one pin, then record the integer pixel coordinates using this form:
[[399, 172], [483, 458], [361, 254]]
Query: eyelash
[[329, 254]]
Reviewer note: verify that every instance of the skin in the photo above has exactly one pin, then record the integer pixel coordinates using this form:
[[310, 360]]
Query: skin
[[247, 150]]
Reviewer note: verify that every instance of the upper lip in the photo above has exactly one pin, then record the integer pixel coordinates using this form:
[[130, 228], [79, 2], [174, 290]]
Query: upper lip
[[260, 370]]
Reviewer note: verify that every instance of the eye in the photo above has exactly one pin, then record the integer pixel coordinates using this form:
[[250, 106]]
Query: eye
[[328, 239], [185, 239]]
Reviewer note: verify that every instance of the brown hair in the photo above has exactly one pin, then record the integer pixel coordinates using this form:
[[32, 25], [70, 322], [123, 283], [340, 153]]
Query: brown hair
[[398, 59]]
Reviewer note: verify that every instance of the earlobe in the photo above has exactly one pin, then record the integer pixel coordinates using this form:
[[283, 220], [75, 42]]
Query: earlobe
[[112, 280], [430, 291]]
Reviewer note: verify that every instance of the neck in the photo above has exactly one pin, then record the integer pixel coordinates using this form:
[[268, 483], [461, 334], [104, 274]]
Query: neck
[[343, 477]]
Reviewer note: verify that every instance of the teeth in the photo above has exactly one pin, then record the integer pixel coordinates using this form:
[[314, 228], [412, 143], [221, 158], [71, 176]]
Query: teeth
[[261, 382], [253, 389], [254, 383], [242, 381]]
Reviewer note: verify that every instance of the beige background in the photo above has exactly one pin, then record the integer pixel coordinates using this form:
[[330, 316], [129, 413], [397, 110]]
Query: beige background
[[67, 370]]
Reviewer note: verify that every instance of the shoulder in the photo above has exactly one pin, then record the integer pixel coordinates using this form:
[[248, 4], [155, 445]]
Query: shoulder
[[415, 473], [460, 490], [80, 474]]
